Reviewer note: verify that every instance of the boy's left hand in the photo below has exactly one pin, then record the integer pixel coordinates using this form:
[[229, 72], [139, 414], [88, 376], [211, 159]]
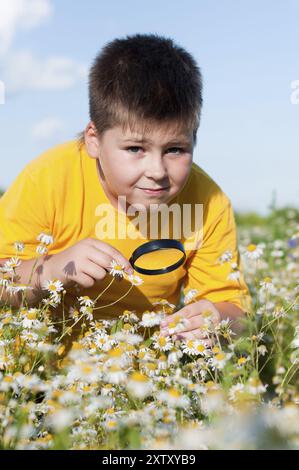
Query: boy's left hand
[[195, 316]]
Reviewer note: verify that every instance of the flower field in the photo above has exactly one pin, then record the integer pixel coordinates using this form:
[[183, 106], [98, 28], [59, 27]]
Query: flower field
[[123, 386]]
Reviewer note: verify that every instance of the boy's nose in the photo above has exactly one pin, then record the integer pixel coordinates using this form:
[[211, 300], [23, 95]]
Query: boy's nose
[[156, 168]]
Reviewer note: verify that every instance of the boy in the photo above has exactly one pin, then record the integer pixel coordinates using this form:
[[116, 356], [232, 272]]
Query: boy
[[145, 103]]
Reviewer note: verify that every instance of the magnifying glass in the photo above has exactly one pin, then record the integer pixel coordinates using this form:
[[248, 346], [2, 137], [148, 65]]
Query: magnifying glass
[[158, 256]]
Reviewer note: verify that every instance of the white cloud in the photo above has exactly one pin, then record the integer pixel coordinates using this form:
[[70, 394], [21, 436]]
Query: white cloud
[[20, 14], [48, 128], [25, 72], [21, 70]]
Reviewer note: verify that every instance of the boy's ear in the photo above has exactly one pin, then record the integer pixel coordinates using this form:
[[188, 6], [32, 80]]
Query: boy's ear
[[91, 140]]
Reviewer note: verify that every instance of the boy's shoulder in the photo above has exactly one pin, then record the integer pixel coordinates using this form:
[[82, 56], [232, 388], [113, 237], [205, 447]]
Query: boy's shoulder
[[56, 158], [202, 188]]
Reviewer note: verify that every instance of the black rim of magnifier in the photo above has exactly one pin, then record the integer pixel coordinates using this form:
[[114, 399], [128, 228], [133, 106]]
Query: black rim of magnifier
[[153, 246]]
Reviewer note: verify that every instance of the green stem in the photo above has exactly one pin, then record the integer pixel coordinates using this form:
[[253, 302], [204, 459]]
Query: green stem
[[113, 303]]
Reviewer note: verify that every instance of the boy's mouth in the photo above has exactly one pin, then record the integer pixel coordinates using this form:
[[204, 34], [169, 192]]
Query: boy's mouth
[[154, 191]]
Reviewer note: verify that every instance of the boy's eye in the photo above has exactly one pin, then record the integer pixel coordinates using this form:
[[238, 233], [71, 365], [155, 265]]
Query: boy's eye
[[172, 148]]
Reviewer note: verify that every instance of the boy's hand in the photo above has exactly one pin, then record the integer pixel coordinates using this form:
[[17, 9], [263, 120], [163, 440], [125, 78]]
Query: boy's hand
[[85, 263], [195, 316]]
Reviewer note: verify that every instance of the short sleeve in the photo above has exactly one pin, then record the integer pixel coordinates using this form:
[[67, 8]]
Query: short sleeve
[[215, 269], [23, 216]]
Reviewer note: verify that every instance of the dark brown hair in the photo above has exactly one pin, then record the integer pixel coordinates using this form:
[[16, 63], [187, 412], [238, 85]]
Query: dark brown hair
[[144, 79]]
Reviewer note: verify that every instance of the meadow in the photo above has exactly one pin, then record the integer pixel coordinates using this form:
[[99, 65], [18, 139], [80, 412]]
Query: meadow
[[123, 386]]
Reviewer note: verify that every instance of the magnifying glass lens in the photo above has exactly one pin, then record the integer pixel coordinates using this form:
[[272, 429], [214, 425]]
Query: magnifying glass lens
[[159, 259], [158, 256]]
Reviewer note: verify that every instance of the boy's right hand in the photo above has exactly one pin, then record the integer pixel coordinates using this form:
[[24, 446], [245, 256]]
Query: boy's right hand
[[85, 263]]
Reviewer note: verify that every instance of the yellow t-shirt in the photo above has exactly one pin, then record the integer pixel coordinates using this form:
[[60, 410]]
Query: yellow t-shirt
[[59, 193]]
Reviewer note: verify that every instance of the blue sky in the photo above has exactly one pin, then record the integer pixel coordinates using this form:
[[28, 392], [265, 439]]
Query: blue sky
[[248, 53]]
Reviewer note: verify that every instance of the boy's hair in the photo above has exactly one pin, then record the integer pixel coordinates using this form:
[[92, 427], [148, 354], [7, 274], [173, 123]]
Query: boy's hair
[[144, 79]]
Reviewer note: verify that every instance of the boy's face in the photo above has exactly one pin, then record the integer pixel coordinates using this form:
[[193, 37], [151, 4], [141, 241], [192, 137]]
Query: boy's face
[[132, 168]]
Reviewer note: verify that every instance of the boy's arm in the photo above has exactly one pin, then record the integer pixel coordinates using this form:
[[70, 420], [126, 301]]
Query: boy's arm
[[215, 270]]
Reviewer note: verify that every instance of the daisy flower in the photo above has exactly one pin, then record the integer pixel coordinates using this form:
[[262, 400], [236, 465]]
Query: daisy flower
[[163, 343], [86, 301], [224, 328], [226, 256], [262, 349], [41, 250], [164, 302], [52, 301], [53, 287], [234, 276], [30, 317], [190, 296], [19, 246], [163, 307], [139, 385], [235, 273], [174, 356], [150, 368], [117, 356], [178, 324], [87, 312], [173, 398], [150, 319], [194, 347], [236, 391], [45, 238], [12, 288], [267, 284], [162, 362], [219, 360], [188, 347], [110, 424], [134, 279], [116, 269], [255, 386], [12, 264], [242, 360], [115, 375], [129, 316], [253, 251]]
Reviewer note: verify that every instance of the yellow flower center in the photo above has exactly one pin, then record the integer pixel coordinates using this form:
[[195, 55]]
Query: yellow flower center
[[251, 247], [162, 341], [219, 357], [86, 369], [174, 393], [242, 361], [151, 366], [115, 352], [162, 358], [138, 377], [31, 316], [111, 424]]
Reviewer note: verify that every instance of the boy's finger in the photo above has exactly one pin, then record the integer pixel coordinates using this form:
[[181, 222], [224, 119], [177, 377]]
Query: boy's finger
[[114, 253], [100, 258], [94, 271], [193, 334], [179, 314]]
